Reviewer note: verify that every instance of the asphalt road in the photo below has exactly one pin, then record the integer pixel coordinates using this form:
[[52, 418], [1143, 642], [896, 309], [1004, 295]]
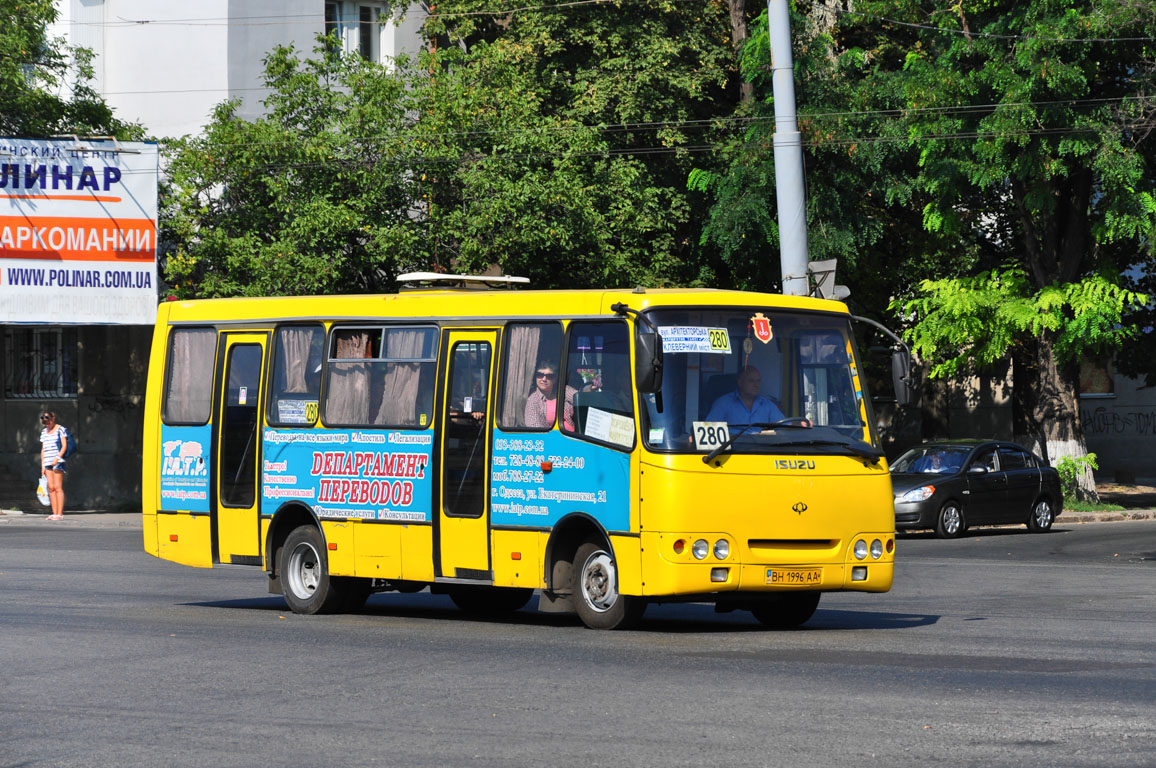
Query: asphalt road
[[1002, 648]]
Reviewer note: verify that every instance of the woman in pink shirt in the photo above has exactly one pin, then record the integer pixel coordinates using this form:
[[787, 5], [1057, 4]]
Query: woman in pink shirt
[[542, 404]]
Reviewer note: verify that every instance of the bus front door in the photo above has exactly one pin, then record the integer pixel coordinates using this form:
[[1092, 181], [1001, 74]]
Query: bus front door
[[463, 524], [236, 516]]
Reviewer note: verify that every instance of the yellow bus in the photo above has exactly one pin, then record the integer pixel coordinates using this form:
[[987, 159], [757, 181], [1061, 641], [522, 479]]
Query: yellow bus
[[605, 448]]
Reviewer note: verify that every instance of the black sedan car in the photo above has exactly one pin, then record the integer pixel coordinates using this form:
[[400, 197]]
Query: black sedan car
[[950, 485]]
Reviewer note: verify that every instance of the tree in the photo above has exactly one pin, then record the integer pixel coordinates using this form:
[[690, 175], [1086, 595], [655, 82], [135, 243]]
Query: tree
[[1010, 141], [318, 196], [553, 143], [567, 136], [33, 69], [1039, 109]]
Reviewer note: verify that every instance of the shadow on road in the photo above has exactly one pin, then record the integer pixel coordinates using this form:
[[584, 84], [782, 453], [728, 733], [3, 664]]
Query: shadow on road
[[667, 618]]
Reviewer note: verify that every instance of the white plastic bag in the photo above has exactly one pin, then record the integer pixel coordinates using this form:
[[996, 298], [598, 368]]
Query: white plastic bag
[[42, 491]]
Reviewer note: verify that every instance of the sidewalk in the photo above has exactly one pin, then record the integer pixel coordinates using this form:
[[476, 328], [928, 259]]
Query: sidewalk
[[81, 518]]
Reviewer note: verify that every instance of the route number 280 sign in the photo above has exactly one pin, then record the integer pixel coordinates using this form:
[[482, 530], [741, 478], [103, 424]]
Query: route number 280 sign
[[709, 435]]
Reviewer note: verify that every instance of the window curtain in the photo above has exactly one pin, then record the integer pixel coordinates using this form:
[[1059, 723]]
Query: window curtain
[[524, 341], [190, 395], [347, 398], [400, 383], [295, 346]]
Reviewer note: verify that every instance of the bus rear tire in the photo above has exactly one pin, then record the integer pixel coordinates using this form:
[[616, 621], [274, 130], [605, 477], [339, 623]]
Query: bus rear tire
[[304, 573], [789, 611], [490, 601], [595, 587]]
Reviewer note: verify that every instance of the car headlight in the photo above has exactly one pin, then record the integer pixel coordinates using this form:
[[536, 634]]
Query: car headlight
[[700, 549], [860, 549], [722, 549], [876, 549], [918, 494]]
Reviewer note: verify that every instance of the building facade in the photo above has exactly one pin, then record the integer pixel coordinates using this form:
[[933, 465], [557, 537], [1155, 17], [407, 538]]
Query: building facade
[[168, 64]]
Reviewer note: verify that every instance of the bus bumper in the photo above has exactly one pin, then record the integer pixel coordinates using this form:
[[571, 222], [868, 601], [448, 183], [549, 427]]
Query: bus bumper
[[830, 568]]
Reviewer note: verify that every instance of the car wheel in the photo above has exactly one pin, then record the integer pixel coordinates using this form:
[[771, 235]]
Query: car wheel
[[951, 523], [1042, 517], [596, 597], [787, 612]]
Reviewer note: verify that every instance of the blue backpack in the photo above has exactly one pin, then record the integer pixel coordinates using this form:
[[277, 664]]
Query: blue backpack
[[71, 443]]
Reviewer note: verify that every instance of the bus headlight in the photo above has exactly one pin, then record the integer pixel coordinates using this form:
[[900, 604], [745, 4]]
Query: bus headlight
[[860, 549], [876, 549], [700, 549], [722, 549]]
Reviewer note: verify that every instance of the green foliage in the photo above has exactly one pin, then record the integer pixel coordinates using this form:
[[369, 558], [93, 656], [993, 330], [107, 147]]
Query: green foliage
[[33, 66], [553, 144], [965, 324], [1071, 468], [315, 197]]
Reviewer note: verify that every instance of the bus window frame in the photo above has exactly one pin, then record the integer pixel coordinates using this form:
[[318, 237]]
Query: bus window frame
[[854, 361], [271, 374], [565, 368], [504, 365], [173, 331], [384, 328]]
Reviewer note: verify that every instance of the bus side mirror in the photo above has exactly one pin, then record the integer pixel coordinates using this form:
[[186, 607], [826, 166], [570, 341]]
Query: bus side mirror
[[905, 391], [648, 361]]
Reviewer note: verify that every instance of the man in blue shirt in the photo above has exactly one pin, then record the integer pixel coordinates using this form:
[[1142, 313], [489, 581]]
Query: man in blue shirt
[[745, 405]]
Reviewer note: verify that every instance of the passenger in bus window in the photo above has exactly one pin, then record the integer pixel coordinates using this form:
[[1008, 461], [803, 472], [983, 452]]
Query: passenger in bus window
[[542, 403], [746, 405]]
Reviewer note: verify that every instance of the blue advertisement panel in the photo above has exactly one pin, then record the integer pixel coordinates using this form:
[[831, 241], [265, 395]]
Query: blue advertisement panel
[[583, 477], [340, 474], [184, 478]]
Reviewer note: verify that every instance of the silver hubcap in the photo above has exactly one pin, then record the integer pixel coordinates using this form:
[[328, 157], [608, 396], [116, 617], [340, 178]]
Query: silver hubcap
[[303, 571], [951, 519], [1043, 514], [598, 582]]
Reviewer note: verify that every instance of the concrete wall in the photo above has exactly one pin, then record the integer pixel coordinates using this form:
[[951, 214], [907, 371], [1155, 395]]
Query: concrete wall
[[1121, 431], [107, 416]]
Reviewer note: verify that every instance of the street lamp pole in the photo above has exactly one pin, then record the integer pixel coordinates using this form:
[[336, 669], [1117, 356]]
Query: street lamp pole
[[789, 189]]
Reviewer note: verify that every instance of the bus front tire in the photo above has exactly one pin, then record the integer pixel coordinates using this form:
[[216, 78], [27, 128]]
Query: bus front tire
[[595, 587], [788, 611], [304, 572]]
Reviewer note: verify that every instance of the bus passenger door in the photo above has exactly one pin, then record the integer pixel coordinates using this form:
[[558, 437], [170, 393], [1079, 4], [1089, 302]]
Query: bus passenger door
[[463, 523], [236, 516]]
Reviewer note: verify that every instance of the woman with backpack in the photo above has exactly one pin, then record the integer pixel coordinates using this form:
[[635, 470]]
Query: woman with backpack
[[53, 449]]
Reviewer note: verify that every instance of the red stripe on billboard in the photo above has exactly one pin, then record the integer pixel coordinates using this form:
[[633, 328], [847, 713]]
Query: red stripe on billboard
[[77, 239]]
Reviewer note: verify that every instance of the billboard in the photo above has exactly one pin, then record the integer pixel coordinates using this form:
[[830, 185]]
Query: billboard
[[78, 232]]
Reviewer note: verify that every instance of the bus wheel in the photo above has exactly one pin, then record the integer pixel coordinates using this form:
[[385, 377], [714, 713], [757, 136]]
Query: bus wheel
[[596, 596], [304, 573], [787, 612], [490, 601]]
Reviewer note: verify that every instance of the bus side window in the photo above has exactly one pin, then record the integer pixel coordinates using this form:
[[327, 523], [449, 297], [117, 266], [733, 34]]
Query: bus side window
[[189, 376], [296, 375], [528, 349], [598, 367]]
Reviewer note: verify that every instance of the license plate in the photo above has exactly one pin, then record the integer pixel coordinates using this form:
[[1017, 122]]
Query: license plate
[[795, 577]]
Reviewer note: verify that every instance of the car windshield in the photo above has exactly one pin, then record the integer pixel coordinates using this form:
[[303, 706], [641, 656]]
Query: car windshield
[[782, 382], [931, 459]]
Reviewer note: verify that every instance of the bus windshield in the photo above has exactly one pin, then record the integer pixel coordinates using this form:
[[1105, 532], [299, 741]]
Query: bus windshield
[[782, 381]]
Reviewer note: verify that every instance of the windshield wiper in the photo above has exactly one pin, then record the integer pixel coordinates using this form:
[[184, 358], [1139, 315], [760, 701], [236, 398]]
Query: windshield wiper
[[866, 452], [792, 422]]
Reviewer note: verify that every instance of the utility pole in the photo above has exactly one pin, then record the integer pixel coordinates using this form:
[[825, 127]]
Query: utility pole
[[789, 189]]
